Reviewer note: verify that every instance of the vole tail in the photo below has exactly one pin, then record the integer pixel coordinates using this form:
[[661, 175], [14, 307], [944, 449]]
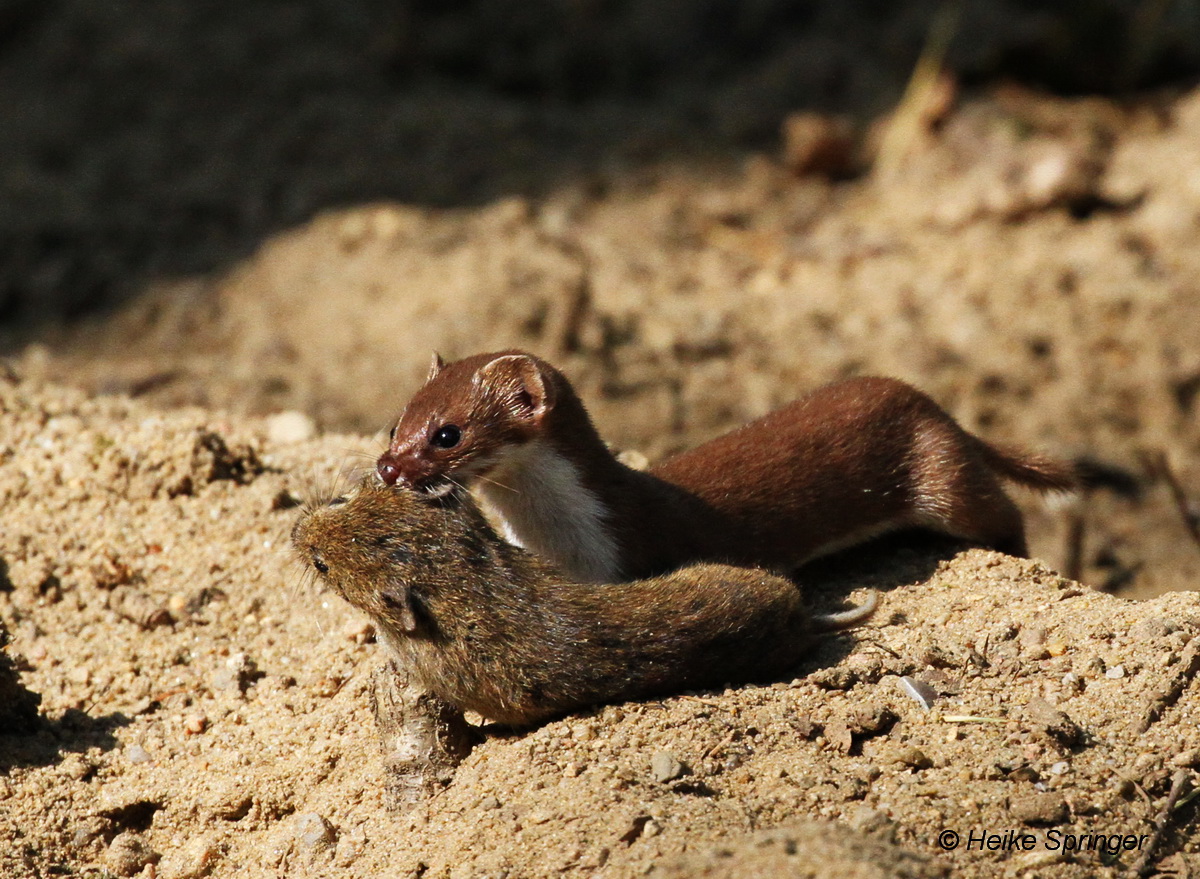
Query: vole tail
[[832, 622]]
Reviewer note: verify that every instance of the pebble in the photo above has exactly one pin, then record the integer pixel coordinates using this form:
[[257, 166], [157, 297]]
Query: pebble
[[1152, 629], [128, 853], [313, 832], [291, 426], [870, 720], [192, 860], [359, 630], [914, 757], [1055, 723], [1186, 759], [489, 803], [87, 830], [664, 767], [349, 849], [1116, 672], [1072, 683], [194, 724], [1040, 809], [237, 673]]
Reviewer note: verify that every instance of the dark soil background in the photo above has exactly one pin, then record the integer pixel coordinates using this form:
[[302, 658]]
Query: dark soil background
[[144, 141]]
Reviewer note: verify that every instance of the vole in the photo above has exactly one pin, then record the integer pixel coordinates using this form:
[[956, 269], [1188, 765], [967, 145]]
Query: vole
[[490, 628], [838, 466]]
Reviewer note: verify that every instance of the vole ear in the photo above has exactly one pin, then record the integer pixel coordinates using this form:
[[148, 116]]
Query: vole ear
[[435, 366], [520, 383], [397, 601]]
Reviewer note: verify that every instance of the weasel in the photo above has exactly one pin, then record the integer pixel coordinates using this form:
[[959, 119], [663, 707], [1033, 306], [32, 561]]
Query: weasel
[[490, 628], [845, 463]]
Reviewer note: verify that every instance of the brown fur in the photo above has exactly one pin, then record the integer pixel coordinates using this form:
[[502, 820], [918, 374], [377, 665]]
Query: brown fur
[[844, 463], [489, 628]]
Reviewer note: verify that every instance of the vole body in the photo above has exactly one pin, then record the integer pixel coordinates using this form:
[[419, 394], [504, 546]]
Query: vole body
[[489, 628], [842, 464]]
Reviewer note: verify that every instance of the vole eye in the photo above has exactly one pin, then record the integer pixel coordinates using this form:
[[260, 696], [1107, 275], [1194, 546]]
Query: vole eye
[[446, 436], [321, 567]]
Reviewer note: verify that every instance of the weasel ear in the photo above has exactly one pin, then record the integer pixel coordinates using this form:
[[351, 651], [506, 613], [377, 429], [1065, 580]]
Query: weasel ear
[[435, 366], [398, 604], [520, 382]]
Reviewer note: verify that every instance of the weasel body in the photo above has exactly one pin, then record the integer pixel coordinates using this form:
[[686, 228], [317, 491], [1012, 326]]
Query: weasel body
[[490, 628], [842, 464]]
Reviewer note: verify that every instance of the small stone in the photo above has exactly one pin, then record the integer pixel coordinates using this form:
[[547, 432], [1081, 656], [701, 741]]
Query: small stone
[[1186, 759], [349, 849], [236, 674], [359, 630], [77, 767], [913, 757], [290, 427], [1072, 683], [488, 803], [838, 734], [128, 854], [194, 724], [665, 767], [193, 860], [1041, 809], [1152, 629], [313, 832], [871, 720], [327, 686], [1052, 721], [836, 677], [866, 819], [87, 830], [573, 769], [1116, 672], [1062, 767]]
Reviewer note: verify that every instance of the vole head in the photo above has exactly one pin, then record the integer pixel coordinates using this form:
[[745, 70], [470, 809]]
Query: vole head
[[389, 551], [465, 418]]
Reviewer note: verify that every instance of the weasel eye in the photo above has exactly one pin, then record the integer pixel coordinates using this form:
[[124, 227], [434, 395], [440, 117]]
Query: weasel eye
[[446, 436]]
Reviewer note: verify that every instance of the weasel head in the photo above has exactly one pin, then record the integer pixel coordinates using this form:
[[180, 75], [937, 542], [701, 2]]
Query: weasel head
[[466, 419]]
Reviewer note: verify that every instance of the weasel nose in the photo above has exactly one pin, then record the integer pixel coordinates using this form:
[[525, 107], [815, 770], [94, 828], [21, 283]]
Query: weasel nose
[[388, 470]]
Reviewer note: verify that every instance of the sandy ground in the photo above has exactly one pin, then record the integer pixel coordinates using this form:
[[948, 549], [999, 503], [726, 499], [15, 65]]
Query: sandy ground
[[206, 707], [230, 237]]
